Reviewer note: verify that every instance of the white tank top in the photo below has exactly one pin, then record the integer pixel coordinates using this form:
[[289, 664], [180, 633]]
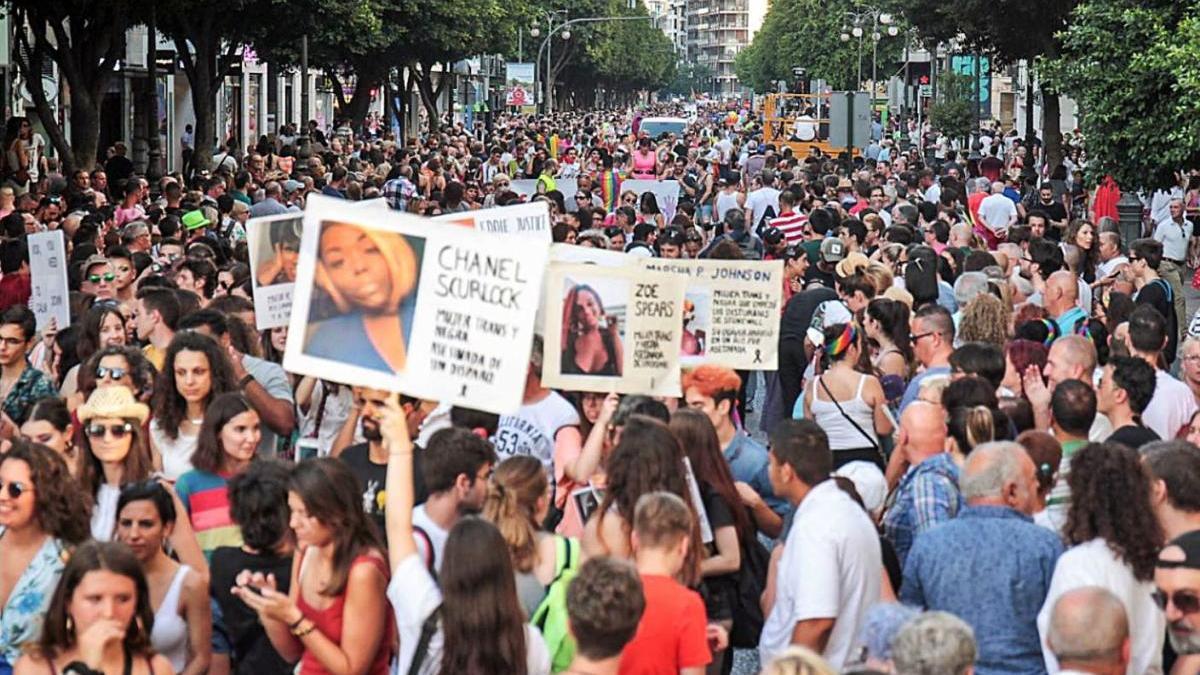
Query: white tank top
[[176, 454], [169, 636], [725, 202], [842, 434]]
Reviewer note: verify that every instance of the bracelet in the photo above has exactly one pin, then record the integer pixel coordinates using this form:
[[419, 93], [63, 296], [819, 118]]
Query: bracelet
[[296, 624], [246, 379], [305, 631]]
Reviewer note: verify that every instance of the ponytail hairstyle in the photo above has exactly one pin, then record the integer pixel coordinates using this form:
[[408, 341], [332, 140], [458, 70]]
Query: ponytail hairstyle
[[838, 339], [511, 505], [971, 426]]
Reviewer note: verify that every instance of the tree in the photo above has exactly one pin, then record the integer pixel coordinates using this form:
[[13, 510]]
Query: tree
[[1140, 93], [806, 33], [954, 111], [87, 40], [1007, 32], [630, 56], [690, 78]]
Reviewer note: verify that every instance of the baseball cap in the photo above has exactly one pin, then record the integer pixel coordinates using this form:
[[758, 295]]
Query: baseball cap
[[772, 235], [291, 185], [868, 481], [93, 260], [194, 220], [1189, 545], [832, 249]]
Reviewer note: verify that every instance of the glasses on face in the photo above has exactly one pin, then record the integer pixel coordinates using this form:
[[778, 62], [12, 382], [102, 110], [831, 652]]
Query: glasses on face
[[107, 276], [918, 336], [117, 431], [1185, 601], [104, 371], [12, 341], [16, 488]]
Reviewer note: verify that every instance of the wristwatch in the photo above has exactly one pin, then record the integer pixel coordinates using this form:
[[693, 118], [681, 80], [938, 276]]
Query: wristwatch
[[246, 379], [80, 668]]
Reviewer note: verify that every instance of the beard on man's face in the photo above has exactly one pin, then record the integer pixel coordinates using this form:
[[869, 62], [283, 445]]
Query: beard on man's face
[[370, 430]]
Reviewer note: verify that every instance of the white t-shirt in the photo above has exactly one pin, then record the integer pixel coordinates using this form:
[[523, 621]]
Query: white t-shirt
[[1171, 407], [1174, 237], [758, 201], [1093, 564], [437, 537], [532, 429], [996, 210], [831, 568], [414, 596]]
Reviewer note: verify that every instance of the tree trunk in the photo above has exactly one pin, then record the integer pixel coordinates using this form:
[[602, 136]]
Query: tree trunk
[[1030, 170], [423, 76], [33, 84], [204, 103], [1051, 130], [369, 76], [85, 131]]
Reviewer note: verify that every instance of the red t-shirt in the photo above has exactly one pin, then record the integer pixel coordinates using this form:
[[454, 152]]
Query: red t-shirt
[[671, 634]]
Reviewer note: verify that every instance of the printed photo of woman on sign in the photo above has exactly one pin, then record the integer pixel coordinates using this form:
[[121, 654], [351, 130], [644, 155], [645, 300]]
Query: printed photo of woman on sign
[[592, 338], [361, 310], [277, 264]]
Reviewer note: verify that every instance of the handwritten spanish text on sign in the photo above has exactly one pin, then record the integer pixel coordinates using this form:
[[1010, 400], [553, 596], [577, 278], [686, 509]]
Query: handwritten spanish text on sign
[[48, 278], [731, 310], [385, 301], [612, 329], [274, 247]]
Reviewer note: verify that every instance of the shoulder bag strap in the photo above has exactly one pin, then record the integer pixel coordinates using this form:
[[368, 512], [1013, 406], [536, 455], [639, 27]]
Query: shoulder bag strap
[[428, 629], [849, 419]]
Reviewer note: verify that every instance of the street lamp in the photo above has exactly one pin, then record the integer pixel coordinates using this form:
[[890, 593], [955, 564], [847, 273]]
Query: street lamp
[[880, 24]]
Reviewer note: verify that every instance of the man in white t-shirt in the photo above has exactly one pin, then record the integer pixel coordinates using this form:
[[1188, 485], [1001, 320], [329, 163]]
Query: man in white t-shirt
[[831, 567], [997, 212], [758, 201], [546, 427], [455, 466], [1173, 404]]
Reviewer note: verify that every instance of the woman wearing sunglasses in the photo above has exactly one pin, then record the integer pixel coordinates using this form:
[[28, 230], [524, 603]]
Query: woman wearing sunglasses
[[102, 326], [42, 515], [116, 366], [228, 441]]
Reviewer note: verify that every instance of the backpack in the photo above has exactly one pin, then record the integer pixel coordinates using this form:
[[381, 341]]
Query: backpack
[[550, 617], [751, 581]]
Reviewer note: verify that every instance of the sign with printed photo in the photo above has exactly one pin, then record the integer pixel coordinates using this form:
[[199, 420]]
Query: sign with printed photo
[[612, 329], [383, 300], [526, 220], [731, 310], [49, 295], [274, 246]]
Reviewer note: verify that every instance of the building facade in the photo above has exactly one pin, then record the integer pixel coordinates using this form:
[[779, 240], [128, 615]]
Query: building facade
[[716, 31]]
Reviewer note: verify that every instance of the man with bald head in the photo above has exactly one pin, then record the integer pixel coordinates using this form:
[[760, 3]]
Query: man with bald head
[[997, 213], [272, 203], [1061, 300], [1089, 632], [1001, 585], [1071, 357], [928, 492]]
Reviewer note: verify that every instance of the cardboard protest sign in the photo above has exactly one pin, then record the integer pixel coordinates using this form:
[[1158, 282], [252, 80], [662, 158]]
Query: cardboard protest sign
[[666, 194], [274, 247], [48, 278], [612, 329], [731, 310], [527, 220], [385, 301], [527, 188], [571, 253]]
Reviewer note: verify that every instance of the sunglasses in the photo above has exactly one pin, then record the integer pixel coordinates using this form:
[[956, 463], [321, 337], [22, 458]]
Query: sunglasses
[[95, 278], [17, 488], [1185, 601], [103, 372], [117, 431]]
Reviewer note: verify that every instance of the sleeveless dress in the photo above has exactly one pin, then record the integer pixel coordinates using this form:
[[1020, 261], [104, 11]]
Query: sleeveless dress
[[330, 621], [169, 636]]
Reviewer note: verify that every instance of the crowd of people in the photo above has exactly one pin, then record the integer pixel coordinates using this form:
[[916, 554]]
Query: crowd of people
[[978, 452]]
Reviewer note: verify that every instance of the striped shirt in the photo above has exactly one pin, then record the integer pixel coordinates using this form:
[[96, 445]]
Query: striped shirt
[[206, 497], [792, 225]]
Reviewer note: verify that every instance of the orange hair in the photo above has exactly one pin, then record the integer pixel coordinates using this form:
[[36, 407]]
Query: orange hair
[[712, 380]]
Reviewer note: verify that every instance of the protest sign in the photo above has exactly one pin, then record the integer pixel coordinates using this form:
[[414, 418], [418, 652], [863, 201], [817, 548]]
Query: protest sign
[[274, 246], [527, 220], [570, 253], [666, 192], [612, 329], [385, 301], [48, 278], [731, 310]]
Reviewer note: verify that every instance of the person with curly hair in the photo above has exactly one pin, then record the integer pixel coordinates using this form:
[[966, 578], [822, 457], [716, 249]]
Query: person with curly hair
[[1113, 539], [42, 515], [985, 319], [196, 371]]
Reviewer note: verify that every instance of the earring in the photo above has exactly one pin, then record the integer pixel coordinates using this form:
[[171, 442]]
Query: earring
[[70, 624]]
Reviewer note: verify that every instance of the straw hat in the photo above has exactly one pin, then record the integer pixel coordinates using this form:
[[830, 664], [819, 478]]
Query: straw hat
[[113, 402]]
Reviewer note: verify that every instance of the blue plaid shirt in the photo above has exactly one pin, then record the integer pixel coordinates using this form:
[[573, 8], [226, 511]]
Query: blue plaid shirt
[[990, 566], [927, 495], [31, 387], [398, 191]]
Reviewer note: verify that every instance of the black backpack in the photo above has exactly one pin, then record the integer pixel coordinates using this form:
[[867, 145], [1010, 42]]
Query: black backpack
[[751, 581]]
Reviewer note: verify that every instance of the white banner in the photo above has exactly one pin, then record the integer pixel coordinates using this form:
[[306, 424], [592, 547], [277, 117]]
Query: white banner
[[384, 300], [526, 220]]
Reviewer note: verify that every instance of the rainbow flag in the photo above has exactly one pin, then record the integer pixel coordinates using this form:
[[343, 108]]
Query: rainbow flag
[[610, 189]]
